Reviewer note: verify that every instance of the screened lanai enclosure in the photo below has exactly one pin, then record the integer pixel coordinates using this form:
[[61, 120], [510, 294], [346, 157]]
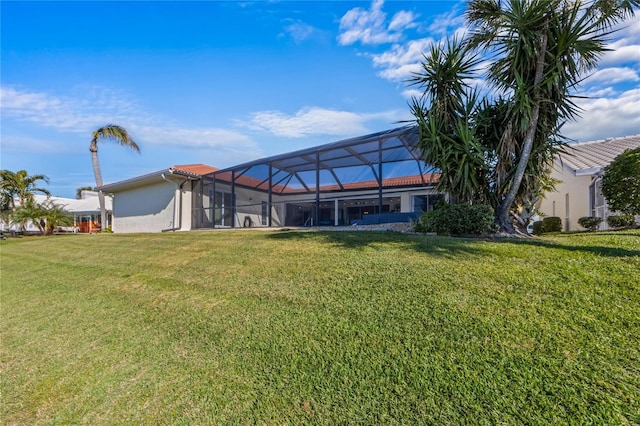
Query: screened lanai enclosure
[[369, 179]]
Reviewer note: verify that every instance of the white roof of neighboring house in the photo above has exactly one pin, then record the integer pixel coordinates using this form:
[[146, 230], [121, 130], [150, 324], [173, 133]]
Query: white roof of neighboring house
[[588, 158], [90, 204]]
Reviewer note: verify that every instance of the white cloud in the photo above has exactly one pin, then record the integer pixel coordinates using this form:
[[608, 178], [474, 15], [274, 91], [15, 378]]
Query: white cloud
[[607, 92], [218, 139], [402, 54], [318, 121], [447, 23], [621, 54], [402, 60], [402, 20], [625, 46], [412, 93], [401, 73], [100, 106], [369, 26], [606, 117], [300, 31], [613, 75]]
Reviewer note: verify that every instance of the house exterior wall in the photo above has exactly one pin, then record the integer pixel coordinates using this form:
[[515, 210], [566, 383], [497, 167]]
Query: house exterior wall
[[148, 208], [183, 219], [570, 200]]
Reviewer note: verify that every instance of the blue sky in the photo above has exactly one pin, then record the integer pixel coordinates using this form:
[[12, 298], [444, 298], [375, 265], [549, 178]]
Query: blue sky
[[222, 83]]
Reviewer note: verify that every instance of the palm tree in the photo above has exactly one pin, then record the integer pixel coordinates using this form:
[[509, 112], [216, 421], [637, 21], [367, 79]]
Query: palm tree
[[499, 151], [448, 142], [20, 185], [543, 49], [55, 215], [81, 189], [117, 134], [46, 216]]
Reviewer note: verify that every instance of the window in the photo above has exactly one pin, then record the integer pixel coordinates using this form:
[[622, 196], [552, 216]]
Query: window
[[425, 203]]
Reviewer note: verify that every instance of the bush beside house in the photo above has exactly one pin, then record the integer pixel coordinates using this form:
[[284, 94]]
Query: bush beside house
[[621, 221], [458, 219], [590, 223]]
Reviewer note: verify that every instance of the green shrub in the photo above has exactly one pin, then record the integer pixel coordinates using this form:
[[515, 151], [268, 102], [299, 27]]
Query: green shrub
[[458, 219], [621, 221], [538, 227], [423, 223], [590, 223], [621, 182], [552, 224]]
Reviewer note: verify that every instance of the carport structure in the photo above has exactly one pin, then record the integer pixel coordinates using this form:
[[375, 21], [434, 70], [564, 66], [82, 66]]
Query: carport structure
[[327, 172]]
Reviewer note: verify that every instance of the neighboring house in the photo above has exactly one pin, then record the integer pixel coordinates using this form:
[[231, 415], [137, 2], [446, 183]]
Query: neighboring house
[[580, 172], [156, 202], [85, 212]]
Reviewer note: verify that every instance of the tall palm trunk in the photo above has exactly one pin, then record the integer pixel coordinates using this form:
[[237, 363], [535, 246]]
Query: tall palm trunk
[[117, 134], [504, 220], [93, 147]]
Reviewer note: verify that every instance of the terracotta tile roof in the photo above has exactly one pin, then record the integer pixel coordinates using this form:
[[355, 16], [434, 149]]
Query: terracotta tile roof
[[415, 180], [195, 169], [591, 157], [244, 181]]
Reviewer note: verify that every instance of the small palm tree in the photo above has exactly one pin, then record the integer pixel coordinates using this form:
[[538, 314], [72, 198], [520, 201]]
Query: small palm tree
[[55, 216], [47, 216], [20, 185], [117, 134]]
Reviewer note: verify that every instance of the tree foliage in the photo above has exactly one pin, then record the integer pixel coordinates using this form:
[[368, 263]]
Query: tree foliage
[[20, 186], [47, 216], [498, 149], [81, 189], [590, 223], [621, 183], [110, 132], [621, 220]]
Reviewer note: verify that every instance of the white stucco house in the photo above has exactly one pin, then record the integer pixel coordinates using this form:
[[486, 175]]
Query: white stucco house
[[580, 173], [360, 180], [156, 202], [369, 179]]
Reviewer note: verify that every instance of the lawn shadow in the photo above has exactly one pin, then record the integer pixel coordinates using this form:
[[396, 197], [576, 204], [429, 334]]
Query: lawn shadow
[[359, 240], [599, 250], [444, 246]]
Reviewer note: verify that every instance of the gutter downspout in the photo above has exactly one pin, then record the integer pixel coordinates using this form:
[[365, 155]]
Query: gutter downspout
[[179, 188]]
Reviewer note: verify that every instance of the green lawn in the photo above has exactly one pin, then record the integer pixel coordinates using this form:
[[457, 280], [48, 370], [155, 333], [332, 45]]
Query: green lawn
[[290, 327]]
